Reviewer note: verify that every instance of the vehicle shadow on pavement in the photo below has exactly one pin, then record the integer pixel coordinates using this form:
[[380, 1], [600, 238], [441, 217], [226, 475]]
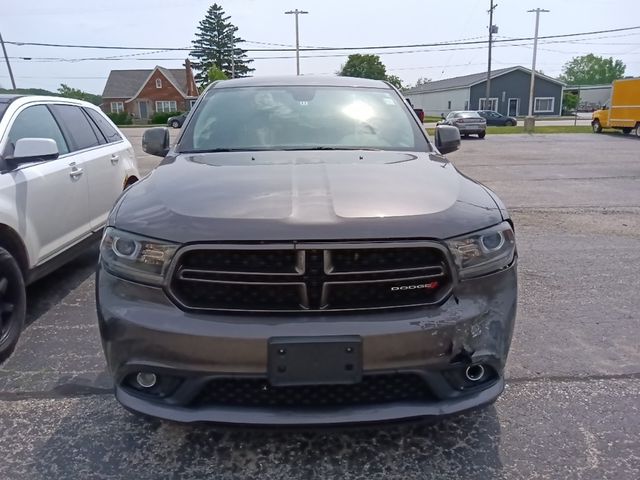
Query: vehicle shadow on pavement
[[115, 444], [50, 290]]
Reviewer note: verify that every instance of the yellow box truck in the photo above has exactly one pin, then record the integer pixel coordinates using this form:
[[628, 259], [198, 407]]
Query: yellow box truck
[[623, 111]]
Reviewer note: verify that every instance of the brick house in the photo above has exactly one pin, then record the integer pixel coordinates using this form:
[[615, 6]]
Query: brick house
[[142, 93]]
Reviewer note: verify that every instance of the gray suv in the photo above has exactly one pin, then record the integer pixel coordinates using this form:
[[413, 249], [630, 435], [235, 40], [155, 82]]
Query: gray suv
[[304, 255]]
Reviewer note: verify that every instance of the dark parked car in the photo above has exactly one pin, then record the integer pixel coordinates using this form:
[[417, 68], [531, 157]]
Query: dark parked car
[[497, 119], [177, 121], [305, 254], [468, 122]]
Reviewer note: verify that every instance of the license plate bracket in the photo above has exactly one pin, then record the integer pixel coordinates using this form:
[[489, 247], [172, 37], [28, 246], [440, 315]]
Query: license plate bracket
[[315, 360]]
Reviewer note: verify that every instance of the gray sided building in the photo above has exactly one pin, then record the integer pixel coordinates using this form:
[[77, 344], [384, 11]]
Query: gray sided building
[[509, 93], [591, 97]]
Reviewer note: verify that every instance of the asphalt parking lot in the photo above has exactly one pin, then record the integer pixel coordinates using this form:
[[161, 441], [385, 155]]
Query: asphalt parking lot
[[571, 408]]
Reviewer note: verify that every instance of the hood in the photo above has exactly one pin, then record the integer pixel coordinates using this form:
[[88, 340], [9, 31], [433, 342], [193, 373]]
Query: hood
[[305, 195]]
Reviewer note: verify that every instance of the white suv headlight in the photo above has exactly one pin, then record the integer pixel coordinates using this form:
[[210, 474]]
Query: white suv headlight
[[483, 252], [134, 257]]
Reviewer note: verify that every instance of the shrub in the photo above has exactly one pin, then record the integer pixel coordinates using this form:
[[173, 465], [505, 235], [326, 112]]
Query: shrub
[[162, 117], [122, 118]]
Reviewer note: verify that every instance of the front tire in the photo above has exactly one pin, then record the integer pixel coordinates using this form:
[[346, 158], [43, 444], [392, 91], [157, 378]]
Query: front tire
[[175, 124], [482, 134], [13, 302], [511, 123], [595, 125]]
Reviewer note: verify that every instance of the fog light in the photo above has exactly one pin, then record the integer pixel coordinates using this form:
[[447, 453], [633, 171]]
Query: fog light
[[146, 380]]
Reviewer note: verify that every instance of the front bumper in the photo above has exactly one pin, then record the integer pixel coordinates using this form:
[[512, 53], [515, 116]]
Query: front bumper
[[142, 330]]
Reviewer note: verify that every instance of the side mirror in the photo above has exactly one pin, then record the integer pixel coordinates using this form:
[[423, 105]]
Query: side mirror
[[447, 139], [155, 141], [34, 149]]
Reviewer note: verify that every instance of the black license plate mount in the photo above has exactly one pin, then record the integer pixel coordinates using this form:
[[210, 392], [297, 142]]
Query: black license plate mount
[[315, 360]]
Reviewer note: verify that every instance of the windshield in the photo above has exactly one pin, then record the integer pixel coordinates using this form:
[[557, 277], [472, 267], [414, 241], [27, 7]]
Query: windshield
[[302, 118], [467, 115]]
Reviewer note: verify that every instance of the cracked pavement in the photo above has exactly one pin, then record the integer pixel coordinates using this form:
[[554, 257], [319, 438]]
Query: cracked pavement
[[570, 409]]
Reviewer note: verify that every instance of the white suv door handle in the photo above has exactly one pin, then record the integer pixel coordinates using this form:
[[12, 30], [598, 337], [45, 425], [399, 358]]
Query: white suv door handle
[[75, 171], [115, 159]]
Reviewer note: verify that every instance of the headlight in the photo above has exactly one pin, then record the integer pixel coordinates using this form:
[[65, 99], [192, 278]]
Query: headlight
[[483, 252], [136, 258]]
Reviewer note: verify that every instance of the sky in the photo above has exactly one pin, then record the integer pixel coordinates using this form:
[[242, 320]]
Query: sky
[[330, 23]]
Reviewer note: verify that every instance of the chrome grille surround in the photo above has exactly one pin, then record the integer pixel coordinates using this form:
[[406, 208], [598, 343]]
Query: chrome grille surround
[[310, 277]]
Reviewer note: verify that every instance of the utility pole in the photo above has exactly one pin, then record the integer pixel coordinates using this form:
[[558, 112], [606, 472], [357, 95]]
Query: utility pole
[[491, 32], [575, 115], [6, 58], [297, 13], [537, 11], [233, 62]]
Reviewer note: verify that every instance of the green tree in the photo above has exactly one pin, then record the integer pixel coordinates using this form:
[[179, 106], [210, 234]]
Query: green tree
[[66, 91], [395, 81], [570, 101], [215, 74], [368, 66], [216, 44], [422, 81], [592, 70], [364, 66], [29, 91]]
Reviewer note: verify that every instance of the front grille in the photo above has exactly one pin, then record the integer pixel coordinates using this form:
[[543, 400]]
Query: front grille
[[327, 277], [372, 390]]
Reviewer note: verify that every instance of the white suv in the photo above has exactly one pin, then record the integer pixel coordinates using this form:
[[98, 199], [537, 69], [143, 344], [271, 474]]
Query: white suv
[[63, 164]]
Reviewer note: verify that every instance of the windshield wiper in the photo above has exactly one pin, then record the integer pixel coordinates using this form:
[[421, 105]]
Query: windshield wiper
[[276, 149], [330, 148], [226, 150]]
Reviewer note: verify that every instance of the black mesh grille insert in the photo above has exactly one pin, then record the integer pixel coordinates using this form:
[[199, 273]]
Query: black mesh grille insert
[[380, 259], [240, 296], [380, 294], [248, 261], [372, 390]]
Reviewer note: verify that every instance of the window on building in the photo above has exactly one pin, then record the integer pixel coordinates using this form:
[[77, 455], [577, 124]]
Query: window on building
[[158, 83], [117, 107], [492, 104], [166, 106], [192, 103], [543, 104], [449, 105]]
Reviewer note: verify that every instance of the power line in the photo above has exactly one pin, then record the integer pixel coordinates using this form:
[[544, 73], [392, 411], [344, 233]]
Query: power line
[[378, 47], [330, 55]]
